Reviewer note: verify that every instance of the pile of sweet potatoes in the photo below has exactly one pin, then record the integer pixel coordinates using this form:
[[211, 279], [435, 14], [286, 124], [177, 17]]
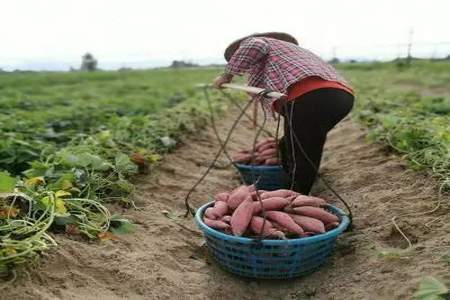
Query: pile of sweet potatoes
[[269, 214], [266, 153]]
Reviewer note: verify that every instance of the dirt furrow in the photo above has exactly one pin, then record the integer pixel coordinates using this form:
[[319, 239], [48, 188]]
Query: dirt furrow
[[165, 258]]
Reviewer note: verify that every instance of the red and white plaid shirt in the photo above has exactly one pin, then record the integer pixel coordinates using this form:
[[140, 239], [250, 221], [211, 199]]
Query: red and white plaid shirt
[[276, 65]]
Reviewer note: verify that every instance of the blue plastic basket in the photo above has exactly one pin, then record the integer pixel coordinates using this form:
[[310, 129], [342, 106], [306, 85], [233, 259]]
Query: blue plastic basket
[[270, 259], [270, 177]]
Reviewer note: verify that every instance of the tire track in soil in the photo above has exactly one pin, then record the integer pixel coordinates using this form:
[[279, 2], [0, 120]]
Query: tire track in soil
[[164, 258]]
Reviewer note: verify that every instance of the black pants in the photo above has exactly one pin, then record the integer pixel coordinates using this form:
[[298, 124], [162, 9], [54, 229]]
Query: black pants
[[313, 115]]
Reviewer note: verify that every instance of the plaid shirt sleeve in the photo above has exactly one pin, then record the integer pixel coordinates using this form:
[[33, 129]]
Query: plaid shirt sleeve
[[247, 55]]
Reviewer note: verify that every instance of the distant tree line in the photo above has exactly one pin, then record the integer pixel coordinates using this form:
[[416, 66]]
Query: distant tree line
[[182, 64]]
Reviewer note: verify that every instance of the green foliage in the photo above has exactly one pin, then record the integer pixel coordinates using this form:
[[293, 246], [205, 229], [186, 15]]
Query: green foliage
[[120, 225], [48, 110], [407, 110], [446, 258], [7, 183], [69, 139], [432, 289]]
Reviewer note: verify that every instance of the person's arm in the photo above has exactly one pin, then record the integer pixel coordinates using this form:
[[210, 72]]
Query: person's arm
[[250, 51]]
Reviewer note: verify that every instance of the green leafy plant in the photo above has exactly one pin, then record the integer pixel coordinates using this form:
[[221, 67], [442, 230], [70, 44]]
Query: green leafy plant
[[398, 114], [70, 143], [432, 289], [7, 183]]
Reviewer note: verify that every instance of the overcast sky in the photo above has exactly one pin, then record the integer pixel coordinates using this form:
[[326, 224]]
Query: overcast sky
[[53, 34]]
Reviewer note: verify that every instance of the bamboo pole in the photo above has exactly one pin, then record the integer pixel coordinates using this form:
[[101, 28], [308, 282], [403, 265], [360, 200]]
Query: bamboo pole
[[248, 89], [252, 90]]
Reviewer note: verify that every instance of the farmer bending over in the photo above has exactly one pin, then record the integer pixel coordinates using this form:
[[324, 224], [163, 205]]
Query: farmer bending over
[[317, 96]]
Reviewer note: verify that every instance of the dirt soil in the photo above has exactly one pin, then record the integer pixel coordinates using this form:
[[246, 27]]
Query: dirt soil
[[166, 259]]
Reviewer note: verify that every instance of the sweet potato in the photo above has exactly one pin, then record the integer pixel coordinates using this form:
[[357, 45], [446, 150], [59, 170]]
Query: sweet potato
[[263, 151], [279, 227], [216, 224], [316, 213], [278, 193], [274, 203], [263, 142], [272, 161], [242, 157], [269, 152], [270, 145], [209, 213], [309, 224], [226, 219], [222, 197], [285, 220], [259, 227], [241, 217], [254, 196], [303, 200], [238, 195], [258, 160], [264, 158], [332, 225], [220, 209]]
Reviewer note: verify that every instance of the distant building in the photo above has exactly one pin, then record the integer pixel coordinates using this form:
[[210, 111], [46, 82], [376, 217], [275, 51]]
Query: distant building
[[88, 63]]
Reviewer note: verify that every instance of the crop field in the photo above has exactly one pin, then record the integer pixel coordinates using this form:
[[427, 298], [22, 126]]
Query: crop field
[[69, 143], [73, 144], [408, 110]]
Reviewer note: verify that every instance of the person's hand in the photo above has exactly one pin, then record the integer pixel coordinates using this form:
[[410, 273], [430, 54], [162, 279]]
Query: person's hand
[[224, 78]]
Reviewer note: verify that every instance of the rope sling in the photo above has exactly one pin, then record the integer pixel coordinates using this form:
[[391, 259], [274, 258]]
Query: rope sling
[[223, 143]]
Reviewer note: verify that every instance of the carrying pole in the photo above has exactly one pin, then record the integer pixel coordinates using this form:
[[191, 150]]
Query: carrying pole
[[249, 89], [253, 90]]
